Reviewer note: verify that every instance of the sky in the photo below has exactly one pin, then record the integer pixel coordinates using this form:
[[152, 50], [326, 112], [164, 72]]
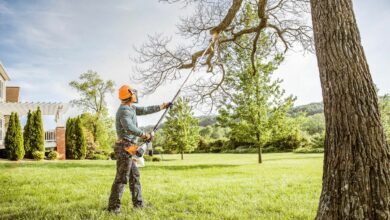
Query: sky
[[44, 44]]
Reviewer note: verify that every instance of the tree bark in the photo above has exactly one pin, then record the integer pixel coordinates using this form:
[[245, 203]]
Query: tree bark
[[182, 155], [356, 180]]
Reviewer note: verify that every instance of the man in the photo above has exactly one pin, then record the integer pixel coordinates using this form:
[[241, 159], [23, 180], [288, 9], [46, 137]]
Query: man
[[128, 133]]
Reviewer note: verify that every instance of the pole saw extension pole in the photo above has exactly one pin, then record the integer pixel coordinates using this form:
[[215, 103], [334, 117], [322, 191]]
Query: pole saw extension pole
[[182, 85]]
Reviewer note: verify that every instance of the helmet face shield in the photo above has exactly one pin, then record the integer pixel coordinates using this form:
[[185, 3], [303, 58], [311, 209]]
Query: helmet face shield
[[134, 95]]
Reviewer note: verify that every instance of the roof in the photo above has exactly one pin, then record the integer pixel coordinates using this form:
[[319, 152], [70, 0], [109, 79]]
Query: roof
[[3, 72], [47, 108]]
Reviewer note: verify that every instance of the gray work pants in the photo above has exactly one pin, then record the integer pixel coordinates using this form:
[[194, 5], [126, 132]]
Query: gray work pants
[[126, 171]]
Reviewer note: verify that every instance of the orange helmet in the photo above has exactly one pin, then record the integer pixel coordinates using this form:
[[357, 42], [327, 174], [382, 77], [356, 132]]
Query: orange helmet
[[127, 93]]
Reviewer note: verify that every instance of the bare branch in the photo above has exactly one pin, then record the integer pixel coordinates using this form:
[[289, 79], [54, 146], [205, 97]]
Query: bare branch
[[231, 24]]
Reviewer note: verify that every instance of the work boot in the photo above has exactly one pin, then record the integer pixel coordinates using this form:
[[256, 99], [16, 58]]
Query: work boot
[[115, 211], [138, 206]]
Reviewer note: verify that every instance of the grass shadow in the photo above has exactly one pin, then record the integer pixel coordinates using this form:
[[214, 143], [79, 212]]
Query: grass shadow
[[170, 159], [191, 167], [291, 158], [97, 165], [57, 165]]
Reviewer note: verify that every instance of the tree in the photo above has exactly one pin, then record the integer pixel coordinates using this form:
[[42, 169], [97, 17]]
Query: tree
[[75, 141], [93, 91], [14, 139], [181, 129], [314, 124], [226, 22], [69, 139], [257, 105], [356, 183], [37, 135], [27, 134], [80, 141], [105, 131], [356, 179]]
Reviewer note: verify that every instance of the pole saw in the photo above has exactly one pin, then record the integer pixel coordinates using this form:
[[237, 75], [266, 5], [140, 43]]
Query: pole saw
[[147, 146]]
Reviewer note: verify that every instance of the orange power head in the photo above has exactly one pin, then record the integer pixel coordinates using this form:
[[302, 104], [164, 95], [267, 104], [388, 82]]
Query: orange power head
[[127, 93]]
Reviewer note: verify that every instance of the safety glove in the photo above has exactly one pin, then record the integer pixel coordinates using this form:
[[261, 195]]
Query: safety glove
[[165, 105], [147, 136]]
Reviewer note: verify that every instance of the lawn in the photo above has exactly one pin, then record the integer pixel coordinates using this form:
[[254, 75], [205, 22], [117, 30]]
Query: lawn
[[202, 186]]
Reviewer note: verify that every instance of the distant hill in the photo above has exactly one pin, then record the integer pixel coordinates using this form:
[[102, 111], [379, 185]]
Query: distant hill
[[309, 109], [207, 120]]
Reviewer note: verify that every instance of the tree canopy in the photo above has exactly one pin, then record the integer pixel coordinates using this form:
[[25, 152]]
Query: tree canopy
[[181, 130]]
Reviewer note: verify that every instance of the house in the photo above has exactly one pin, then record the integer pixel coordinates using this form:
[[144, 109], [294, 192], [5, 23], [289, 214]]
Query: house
[[9, 102]]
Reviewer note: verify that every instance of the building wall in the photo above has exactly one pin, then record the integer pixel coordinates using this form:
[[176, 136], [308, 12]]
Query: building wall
[[2, 89], [12, 94]]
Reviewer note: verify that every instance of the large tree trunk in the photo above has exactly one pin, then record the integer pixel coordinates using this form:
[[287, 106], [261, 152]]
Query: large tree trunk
[[356, 181]]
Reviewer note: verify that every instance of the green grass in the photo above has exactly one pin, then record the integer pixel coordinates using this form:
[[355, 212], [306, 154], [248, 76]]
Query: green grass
[[203, 186]]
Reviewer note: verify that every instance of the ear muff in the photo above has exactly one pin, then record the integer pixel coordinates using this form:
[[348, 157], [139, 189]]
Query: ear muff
[[134, 95]]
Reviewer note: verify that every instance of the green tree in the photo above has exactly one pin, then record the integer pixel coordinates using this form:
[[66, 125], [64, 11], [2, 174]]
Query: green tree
[[181, 128], [93, 90], [314, 124], [75, 140], [69, 139], [27, 134], [256, 105], [14, 139], [105, 131], [37, 135], [79, 140]]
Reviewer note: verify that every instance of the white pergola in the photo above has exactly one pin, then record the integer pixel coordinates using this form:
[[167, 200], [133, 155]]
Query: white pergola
[[47, 108]]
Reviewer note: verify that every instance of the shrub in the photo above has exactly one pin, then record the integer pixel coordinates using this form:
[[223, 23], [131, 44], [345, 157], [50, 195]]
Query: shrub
[[53, 155], [147, 157], [289, 142], [100, 157], [318, 140], [151, 159], [158, 150], [156, 159], [270, 149], [305, 150], [213, 145], [243, 150], [13, 140], [38, 155]]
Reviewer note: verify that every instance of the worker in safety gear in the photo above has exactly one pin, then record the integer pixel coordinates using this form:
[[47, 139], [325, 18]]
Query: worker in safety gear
[[125, 148]]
